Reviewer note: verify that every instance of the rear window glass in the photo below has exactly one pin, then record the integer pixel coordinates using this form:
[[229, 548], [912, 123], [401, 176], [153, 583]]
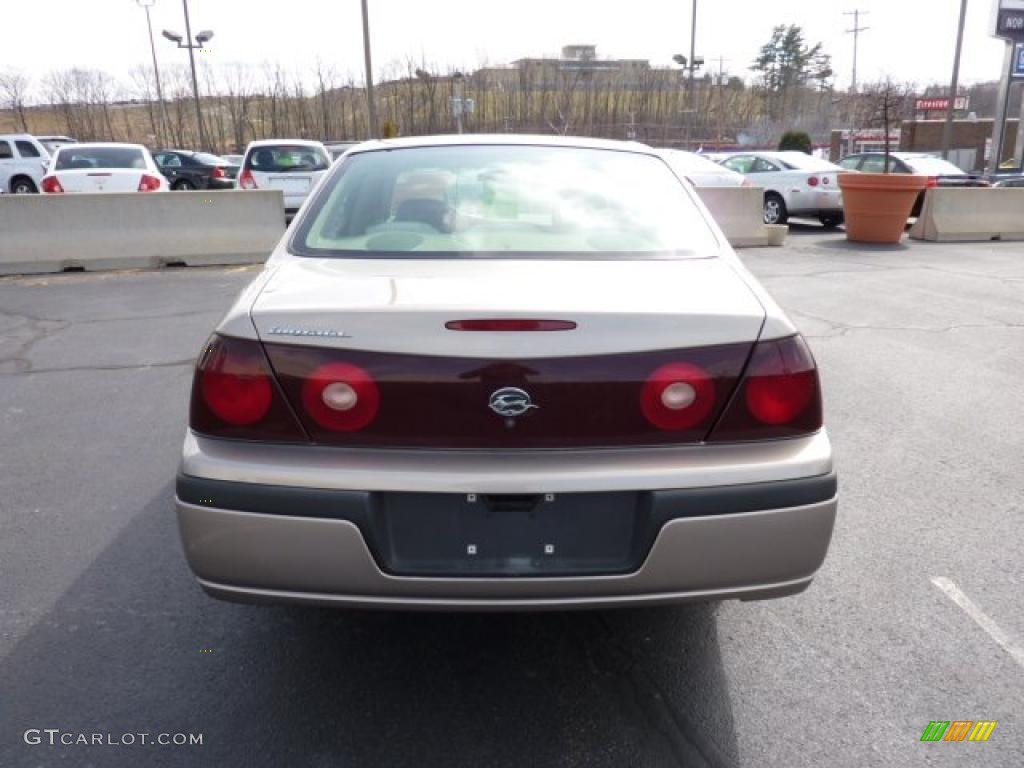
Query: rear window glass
[[504, 201], [205, 158], [26, 149], [802, 162], [932, 166], [71, 158], [285, 158], [688, 162]]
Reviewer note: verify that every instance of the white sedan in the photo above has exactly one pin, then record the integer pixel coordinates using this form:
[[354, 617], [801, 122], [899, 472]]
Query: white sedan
[[702, 171], [504, 372], [795, 184], [102, 167]]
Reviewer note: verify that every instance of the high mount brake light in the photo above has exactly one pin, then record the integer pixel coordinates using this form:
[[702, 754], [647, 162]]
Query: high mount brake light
[[510, 324], [779, 395], [234, 394]]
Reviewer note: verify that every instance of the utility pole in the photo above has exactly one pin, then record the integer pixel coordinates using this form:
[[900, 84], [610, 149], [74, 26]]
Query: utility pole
[[947, 130], [857, 29], [371, 107], [693, 57], [721, 99], [162, 113]]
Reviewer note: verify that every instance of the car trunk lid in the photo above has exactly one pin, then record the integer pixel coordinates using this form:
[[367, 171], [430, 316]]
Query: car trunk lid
[[381, 328]]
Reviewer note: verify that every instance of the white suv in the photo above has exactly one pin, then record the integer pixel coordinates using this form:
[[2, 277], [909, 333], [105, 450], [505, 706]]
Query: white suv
[[292, 165], [23, 162]]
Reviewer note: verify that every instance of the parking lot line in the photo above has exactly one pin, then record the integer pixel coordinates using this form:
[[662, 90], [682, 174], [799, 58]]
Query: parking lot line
[[954, 593]]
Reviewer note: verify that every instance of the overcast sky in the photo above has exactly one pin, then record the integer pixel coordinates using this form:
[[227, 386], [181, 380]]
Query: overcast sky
[[910, 39]]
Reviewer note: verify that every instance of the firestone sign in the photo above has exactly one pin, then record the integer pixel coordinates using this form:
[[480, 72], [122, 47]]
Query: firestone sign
[[1008, 19], [940, 104]]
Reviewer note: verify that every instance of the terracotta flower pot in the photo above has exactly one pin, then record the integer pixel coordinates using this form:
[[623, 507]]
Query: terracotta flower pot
[[877, 205]]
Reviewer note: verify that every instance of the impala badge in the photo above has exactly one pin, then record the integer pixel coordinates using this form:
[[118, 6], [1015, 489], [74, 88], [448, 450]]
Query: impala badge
[[510, 402]]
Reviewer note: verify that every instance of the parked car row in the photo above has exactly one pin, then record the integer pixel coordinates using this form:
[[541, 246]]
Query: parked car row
[[60, 164]]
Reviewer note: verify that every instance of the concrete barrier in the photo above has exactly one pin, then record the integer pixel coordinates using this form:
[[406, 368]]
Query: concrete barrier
[[739, 211], [970, 215], [52, 233]]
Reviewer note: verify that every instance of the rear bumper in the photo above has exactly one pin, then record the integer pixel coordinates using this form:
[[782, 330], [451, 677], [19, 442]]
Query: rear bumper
[[279, 558], [746, 522]]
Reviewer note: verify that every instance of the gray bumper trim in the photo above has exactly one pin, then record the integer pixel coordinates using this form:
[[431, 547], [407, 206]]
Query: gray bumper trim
[[302, 559]]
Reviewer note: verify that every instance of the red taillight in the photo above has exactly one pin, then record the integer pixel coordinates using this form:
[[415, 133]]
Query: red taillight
[[933, 181], [812, 181], [234, 394], [218, 173], [341, 397], [779, 395], [510, 324], [51, 185], [677, 396], [246, 180], [149, 183]]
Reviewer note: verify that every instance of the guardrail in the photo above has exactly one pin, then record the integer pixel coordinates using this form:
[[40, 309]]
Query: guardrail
[[55, 233], [971, 215], [739, 212]]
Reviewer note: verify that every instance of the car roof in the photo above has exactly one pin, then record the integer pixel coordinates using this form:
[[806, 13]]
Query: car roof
[[501, 139], [18, 136], [91, 144], [277, 142]]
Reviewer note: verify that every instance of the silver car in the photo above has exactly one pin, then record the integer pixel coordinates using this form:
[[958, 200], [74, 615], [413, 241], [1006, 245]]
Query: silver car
[[795, 184], [496, 372]]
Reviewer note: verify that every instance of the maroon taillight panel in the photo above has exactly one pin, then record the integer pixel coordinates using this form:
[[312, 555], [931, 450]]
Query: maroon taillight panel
[[234, 394], [647, 398], [780, 395]]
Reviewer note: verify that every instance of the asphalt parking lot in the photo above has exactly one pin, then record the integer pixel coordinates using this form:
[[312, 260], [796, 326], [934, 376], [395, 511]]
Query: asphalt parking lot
[[102, 628]]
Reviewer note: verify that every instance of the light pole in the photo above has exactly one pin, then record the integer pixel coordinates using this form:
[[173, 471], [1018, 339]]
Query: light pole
[[162, 114], [201, 39], [947, 129], [371, 107]]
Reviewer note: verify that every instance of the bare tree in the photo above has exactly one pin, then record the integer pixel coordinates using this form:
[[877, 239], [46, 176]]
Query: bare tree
[[14, 87]]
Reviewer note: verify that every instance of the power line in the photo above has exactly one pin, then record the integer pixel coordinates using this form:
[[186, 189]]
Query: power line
[[857, 29]]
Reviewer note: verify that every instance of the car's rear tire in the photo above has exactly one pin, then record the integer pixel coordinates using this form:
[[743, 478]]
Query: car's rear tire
[[831, 221], [184, 185], [22, 185], [775, 209]]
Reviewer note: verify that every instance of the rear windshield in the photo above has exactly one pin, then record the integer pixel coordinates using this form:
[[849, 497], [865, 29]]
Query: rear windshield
[[802, 162], [206, 159], [689, 162], [284, 158], [932, 166], [71, 158], [504, 202]]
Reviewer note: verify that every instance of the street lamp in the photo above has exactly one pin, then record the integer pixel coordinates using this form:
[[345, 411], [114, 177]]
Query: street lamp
[[200, 40], [162, 118]]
